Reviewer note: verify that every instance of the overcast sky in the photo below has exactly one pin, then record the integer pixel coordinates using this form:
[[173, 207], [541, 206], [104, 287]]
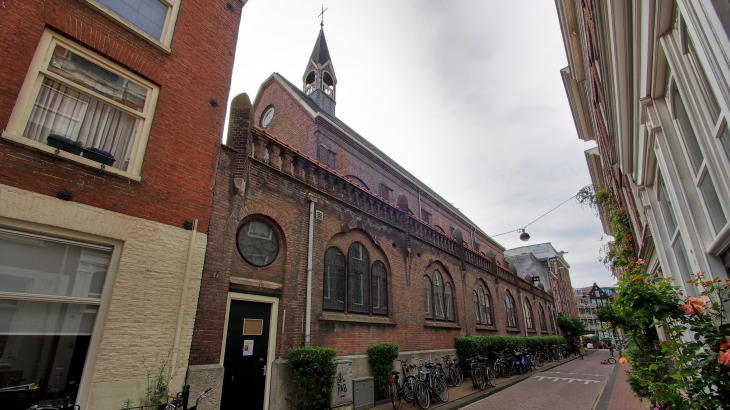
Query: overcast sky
[[466, 95]]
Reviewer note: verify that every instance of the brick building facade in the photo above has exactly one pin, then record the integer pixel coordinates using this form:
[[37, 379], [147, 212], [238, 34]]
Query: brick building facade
[[338, 246], [100, 265]]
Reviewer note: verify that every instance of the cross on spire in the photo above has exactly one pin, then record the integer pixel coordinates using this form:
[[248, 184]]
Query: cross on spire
[[322, 15]]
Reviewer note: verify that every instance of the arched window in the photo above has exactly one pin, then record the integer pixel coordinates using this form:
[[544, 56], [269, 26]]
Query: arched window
[[449, 301], [509, 308], [380, 289], [485, 307], [427, 297], [328, 84], [543, 323], [358, 268], [527, 310], [476, 307], [438, 296], [309, 85], [334, 280]]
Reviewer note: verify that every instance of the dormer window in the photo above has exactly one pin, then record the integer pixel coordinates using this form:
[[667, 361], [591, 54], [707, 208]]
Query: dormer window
[[328, 85], [309, 83]]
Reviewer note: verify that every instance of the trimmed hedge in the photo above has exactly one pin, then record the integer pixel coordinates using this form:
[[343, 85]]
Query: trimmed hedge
[[491, 346], [313, 376], [381, 357]]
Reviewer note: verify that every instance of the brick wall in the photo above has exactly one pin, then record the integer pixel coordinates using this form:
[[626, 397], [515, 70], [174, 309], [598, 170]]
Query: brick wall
[[281, 199], [179, 164]]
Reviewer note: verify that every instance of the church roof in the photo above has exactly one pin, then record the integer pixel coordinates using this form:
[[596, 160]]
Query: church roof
[[321, 53], [302, 97]]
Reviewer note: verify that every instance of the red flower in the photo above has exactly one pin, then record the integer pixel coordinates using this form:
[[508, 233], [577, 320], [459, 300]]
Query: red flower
[[623, 361], [725, 344], [724, 358], [688, 309]]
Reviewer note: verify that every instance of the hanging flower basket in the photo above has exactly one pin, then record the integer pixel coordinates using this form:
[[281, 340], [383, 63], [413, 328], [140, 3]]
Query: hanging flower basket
[[64, 144], [98, 155]]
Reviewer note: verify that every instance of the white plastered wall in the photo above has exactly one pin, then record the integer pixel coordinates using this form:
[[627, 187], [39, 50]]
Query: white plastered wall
[[137, 320]]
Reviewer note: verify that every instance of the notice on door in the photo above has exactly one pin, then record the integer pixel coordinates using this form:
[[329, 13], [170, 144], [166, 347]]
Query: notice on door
[[248, 347]]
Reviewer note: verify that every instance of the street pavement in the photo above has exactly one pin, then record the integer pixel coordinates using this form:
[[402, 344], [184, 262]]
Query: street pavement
[[577, 385]]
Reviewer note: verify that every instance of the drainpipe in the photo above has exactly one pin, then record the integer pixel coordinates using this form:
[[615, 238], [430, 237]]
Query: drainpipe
[[307, 328], [183, 298], [420, 212], [522, 303]]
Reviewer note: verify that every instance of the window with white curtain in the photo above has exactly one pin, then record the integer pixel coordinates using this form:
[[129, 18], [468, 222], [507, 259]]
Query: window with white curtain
[[79, 95], [50, 293]]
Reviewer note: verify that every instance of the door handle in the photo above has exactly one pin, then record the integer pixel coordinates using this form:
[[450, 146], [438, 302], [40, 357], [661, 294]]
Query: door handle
[[264, 370]]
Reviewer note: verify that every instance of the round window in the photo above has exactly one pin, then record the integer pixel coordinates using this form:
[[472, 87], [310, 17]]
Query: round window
[[267, 116], [257, 243]]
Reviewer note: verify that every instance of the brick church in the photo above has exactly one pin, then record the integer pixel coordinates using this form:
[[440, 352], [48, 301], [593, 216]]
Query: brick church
[[318, 238]]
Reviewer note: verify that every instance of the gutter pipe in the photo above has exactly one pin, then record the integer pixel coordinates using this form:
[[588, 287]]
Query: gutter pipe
[[307, 328], [183, 298]]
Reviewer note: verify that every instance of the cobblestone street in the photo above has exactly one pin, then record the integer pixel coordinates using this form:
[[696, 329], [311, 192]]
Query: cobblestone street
[[577, 385]]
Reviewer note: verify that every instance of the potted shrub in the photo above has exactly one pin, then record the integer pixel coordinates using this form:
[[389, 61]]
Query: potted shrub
[[64, 144], [98, 155]]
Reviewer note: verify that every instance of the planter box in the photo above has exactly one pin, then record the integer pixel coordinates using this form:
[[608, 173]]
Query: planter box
[[54, 142], [94, 156]]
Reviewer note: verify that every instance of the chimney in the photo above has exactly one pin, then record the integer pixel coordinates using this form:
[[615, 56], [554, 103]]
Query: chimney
[[239, 134]]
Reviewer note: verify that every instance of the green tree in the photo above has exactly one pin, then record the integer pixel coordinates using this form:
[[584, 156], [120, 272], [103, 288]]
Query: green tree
[[610, 315], [571, 327]]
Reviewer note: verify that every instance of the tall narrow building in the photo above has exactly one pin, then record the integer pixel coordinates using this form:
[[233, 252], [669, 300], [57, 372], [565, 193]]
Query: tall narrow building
[[111, 115]]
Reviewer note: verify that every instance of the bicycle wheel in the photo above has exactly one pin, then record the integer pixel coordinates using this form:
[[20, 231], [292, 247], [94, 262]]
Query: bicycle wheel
[[474, 376], [490, 377], [395, 395], [611, 360], [409, 389], [442, 391], [423, 395], [459, 376], [481, 379]]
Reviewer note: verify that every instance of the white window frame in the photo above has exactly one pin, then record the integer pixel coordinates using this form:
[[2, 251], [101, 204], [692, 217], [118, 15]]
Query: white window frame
[[704, 169], [674, 235], [32, 85], [168, 28], [60, 234]]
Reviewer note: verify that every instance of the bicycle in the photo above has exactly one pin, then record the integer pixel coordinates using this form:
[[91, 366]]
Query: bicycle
[[454, 375], [610, 360], [405, 390], [422, 393], [432, 383]]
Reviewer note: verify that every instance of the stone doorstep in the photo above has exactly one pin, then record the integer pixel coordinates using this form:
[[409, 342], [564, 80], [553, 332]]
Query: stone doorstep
[[476, 395]]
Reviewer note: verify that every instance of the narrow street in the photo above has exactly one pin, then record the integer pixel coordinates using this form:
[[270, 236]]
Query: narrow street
[[576, 385], [579, 385]]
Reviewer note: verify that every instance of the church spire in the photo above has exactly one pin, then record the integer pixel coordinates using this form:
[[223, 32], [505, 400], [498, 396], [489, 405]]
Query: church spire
[[319, 77]]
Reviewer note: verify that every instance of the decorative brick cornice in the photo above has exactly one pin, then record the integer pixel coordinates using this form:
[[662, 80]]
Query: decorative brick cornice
[[266, 149]]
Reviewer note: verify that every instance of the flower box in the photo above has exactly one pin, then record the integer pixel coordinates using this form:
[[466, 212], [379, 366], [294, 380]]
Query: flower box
[[64, 144], [98, 155]]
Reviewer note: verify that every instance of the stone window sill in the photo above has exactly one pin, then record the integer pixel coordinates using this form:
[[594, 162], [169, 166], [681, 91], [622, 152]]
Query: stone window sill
[[37, 146], [446, 325], [345, 318], [513, 329], [486, 327]]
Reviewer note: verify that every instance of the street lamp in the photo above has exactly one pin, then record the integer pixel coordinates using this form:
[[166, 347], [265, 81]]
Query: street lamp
[[524, 236]]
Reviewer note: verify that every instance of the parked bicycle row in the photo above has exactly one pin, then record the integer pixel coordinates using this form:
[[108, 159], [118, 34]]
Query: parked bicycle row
[[423, 381]]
